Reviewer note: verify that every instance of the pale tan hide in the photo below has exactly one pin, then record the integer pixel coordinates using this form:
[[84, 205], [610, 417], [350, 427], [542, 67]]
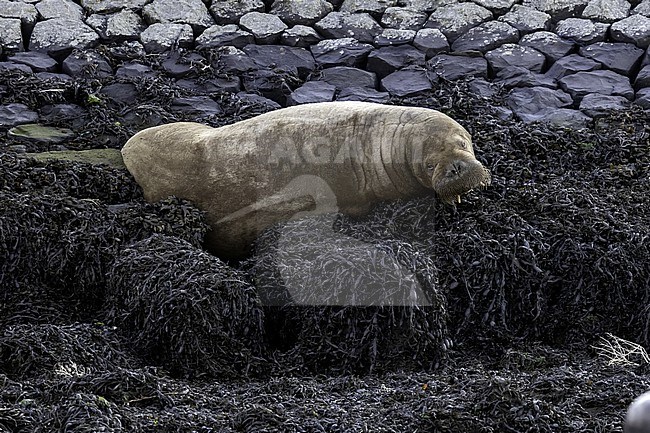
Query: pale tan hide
[[241, 174]]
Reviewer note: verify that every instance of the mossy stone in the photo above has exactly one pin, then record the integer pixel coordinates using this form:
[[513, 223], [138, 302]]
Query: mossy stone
[[111, 157], [41, 133]]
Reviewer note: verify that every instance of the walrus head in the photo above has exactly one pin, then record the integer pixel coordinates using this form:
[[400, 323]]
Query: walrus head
[[449, 165]]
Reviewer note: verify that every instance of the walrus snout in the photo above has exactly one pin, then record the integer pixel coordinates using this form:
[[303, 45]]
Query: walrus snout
[[459, 177]]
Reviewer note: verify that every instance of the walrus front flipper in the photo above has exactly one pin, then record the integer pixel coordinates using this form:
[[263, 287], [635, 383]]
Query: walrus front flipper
[[303, 196]]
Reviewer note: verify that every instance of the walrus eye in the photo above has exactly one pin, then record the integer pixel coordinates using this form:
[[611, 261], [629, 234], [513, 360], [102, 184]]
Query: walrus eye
[[430, 167]]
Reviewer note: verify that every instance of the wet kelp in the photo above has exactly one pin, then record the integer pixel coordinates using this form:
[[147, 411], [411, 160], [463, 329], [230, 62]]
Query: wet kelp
[[554, 252]]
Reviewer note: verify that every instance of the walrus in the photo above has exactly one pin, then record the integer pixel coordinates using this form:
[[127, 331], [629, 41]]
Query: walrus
[[637, 419], [240, 174]]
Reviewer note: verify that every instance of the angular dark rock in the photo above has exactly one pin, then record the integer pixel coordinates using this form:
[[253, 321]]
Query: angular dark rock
[[643, 98], [176, 65], [72, 115], [360, 26], [515, 76], [270, 84], [364, 94], [451, 67], [389, 37], [527, 102], [257, 100], [340, 52], [406, 82], [231, 60], [87, 64], [606, 11], [564, 117], [643, 78], [158, 37], [9, 67], [16, 114], [617, 56], [345, 76], [121, 26], [192, 12], [218, 36], [603, 82], [570, 65], [431, 42], [120, 93], [597, 105], [515, 55], [581, 31], [200, 107], [282, 57], [486, 37], [403, 18], [38, 62], [549, 44], [457, 18], [60, 36], [634, 29], [302, 12], [526, 19], [482, 88], [230, 11], [11, 37], [386, 60], [135, 70], [312, 91], [300, 36], [559, 9]]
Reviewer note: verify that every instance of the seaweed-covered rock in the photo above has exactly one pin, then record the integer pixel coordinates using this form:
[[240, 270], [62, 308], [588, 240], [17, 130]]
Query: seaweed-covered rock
[[184, 309], [381, 307]]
